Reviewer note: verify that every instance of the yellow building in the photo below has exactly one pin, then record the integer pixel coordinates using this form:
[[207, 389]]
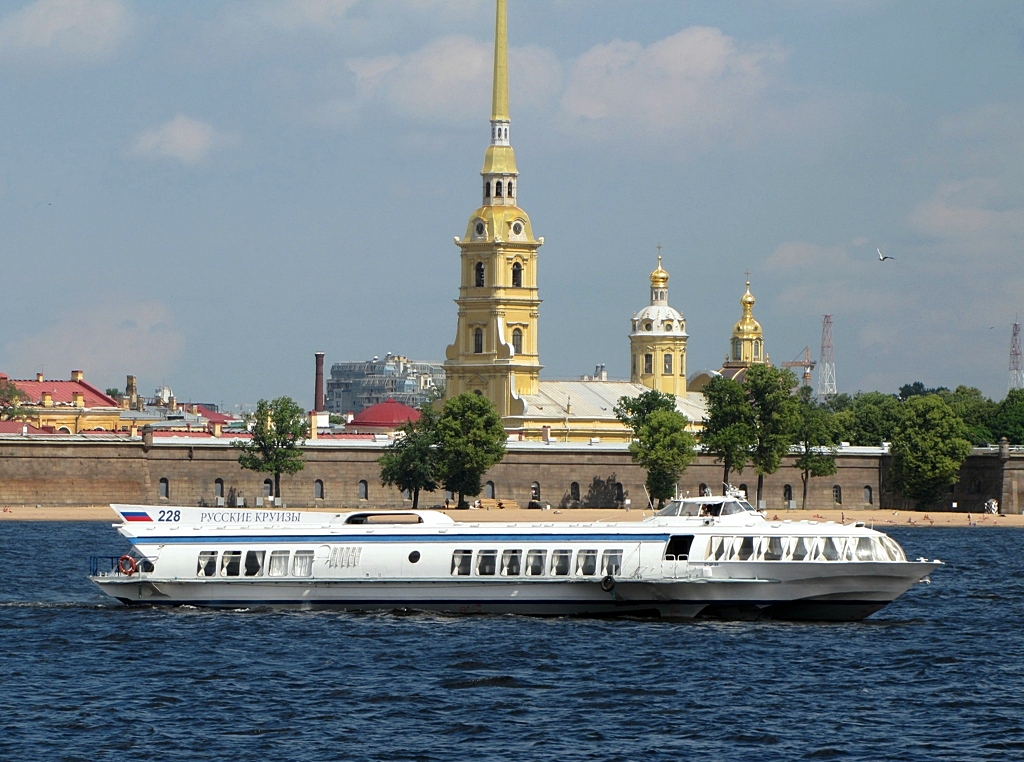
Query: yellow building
[[658, 342], [745, 350], [495, 350]]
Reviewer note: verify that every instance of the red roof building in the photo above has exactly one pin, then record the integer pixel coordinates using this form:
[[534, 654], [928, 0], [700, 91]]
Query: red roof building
[[382, 418]]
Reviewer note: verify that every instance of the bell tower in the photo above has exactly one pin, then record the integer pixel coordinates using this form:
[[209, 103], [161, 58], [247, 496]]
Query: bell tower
[[495, 350], [747, 347], [658, 341]]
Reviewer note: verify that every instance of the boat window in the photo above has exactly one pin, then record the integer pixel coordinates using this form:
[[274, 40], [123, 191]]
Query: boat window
[[510, 562], [831, 550], [462, 563], [302, 563], [895, 551], [485, 562], [801, 549], [719, 547], [611, 562], [230, 563], [254, 563], [679, 546], [586, 563], [535, 562], [730, 508], [560, 562], [278, 563], [865, 550], [208, 563], [746, 549], [773, 549]]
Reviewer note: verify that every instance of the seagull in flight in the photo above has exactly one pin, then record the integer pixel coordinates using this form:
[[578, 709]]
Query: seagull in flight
[[882, 257]]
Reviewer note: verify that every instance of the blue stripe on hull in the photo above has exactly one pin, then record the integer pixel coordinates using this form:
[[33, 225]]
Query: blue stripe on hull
[[450, 539]]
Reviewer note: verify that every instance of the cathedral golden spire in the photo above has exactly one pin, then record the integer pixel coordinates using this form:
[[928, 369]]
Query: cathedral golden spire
[[499, 99]]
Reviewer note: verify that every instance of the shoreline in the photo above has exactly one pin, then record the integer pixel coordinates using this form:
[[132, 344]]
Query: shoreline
[[880, 518]]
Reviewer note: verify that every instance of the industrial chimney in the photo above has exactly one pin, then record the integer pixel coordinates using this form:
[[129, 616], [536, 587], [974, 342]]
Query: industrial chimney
[[318, 392]]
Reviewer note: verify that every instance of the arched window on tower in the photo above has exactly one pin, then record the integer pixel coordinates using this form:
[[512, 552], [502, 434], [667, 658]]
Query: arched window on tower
[[487, 189], [508, 190], [648, 364], [480, 274], [497, 189], [517, 341], [478, 341], [517, 275], [668, 364], [736, 349]]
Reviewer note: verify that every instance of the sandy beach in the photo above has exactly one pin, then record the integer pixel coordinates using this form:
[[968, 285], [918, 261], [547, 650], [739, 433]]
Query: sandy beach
[[880, 518]]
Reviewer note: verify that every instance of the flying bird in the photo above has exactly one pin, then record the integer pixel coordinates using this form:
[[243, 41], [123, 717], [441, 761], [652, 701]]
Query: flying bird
[[882, 257]]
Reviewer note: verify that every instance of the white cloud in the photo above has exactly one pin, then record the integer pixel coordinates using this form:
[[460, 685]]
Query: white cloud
[[448, 80], [107, 341], [189, 141], [58, 30], [697, 84]]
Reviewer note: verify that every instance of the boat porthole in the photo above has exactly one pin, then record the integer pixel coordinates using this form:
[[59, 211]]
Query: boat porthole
[[414, 556]]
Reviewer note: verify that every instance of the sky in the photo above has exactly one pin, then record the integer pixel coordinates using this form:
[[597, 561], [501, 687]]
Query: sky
[[203, 194]]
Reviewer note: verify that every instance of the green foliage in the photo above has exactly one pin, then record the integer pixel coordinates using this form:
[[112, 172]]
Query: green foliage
[[470, 439], [114, 393], [773, 417], [815, 433], [634, 411], [410, 462], [917, 389], [664, 447], [728, 427], [278, 430], [975, 410], [870, 419], [11, 398], [929, 444], [1008, 419]]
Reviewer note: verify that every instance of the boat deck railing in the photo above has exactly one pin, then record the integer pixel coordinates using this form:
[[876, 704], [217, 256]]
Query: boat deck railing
[[110, 566]]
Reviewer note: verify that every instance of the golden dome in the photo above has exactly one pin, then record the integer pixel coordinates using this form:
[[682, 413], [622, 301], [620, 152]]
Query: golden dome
[[747, 326], [659, 278]]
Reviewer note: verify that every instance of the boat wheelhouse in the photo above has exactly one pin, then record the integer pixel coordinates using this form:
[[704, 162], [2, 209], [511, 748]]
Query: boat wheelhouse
[[707, 556]]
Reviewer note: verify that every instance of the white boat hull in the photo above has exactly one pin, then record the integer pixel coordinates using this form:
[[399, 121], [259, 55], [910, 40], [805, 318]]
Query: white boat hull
[[799, 592]]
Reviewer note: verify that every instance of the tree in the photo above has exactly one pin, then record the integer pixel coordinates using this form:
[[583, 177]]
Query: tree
[[870, 419], [664, 447], [410, 462], [975, 409], [815, 434], [1008, 420], [728, 427], [470, 439], [633, 411], [773, 417], [278, 430], [11, 398], [929, 444], [917, 389]]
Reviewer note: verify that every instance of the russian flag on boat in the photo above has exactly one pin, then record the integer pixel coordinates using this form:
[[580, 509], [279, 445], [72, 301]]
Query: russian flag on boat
[[136, 516]]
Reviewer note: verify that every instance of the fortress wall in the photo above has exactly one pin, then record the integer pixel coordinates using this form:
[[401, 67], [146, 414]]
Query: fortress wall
[[58, 471]]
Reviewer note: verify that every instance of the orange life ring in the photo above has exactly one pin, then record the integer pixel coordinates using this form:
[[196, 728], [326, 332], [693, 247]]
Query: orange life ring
[[127, 565]]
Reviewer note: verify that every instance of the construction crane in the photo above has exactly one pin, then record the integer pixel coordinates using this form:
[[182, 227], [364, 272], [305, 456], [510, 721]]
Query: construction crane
[[806, 363]]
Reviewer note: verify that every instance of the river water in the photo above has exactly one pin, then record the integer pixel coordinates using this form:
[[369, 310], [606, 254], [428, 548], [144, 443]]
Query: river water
[[938, 675]]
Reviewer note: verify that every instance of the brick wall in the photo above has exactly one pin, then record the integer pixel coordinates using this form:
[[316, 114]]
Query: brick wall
[[65, 471]]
